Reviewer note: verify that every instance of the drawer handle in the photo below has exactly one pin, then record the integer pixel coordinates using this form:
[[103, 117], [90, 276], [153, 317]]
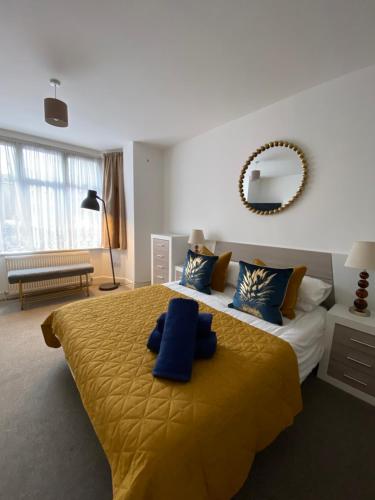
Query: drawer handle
[[160, 277], [160, 245], [160, 267], [359, 362], [355, 380], [160, 256], [362, 343]]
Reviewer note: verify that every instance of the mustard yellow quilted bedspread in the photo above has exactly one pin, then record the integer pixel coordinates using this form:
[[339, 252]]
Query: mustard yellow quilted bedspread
[[168, 440]]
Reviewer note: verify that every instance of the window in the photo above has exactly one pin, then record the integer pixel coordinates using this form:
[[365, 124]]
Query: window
[[41, 190]]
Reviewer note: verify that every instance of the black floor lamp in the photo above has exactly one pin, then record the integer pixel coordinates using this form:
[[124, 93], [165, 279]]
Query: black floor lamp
[[91, 202]]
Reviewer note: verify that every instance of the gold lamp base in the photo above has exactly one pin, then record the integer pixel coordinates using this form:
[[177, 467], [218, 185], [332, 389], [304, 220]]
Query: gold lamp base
[[365, 314]]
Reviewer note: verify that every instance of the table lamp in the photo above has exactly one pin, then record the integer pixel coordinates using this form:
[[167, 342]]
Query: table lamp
[[91, 203], [196, 239], [361, 256]]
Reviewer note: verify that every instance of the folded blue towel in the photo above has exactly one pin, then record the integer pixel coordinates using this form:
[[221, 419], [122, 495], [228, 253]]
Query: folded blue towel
[[175, 360], [205, 347], [154, 340], [203, 328]]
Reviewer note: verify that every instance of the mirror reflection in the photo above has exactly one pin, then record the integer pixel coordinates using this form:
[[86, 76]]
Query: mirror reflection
[[273, 179]]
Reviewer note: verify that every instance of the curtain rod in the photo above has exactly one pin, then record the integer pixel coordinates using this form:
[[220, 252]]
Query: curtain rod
[[75, 152], [118, 150]]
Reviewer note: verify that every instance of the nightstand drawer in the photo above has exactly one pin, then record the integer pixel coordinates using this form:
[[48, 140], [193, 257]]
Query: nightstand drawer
[[354, 339], [159, 278], [348, 361], [353, 358], [167, 251], [161, 272], [160, 266], [160, 246], [353, 377], [161, 255], [161, 259]]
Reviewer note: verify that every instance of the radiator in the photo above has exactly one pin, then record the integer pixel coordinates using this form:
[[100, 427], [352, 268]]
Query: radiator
[[45, 260]]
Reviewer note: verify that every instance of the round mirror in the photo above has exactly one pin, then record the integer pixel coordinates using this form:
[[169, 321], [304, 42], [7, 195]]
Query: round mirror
[[273, 177]]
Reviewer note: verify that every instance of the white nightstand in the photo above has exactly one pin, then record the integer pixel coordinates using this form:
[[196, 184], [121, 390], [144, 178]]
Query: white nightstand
[[178, 272], [167, 250], [349, 357]]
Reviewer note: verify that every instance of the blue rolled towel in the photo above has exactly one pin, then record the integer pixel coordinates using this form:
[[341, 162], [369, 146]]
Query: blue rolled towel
[[154, 340], [175, 360], [205, 347], [203, 328]]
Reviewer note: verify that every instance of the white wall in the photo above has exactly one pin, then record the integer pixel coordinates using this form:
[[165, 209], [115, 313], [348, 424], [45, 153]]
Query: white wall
[[334, 124], [124, 260], [148, 205]]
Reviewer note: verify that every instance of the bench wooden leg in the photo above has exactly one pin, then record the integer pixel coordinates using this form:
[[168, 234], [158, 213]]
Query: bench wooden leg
[[87, 285], [80, 281], [20, 294]]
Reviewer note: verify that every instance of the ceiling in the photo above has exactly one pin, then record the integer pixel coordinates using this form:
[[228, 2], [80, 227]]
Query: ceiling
[[163, 70]]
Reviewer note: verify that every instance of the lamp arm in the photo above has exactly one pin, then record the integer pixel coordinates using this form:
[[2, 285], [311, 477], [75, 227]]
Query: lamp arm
[[109, 238]]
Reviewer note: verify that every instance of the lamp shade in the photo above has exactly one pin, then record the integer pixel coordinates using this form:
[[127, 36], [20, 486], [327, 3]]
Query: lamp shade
[[90, 201], [362, 255], [196, 237], [255, 175], [55, 112]]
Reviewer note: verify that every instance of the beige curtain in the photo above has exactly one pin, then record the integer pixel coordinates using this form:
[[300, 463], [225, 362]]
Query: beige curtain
[[114, 197]]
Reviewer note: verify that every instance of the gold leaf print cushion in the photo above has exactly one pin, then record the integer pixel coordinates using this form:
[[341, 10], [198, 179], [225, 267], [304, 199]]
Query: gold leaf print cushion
[[219, 273], [197, 272], [261, 291], [291, 296]]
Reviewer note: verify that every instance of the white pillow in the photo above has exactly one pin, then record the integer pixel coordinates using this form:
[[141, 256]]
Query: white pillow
[[312, 293], [232, 273]]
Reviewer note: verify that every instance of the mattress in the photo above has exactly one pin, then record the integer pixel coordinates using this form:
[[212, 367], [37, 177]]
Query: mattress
[[167, 440], [305, 333]]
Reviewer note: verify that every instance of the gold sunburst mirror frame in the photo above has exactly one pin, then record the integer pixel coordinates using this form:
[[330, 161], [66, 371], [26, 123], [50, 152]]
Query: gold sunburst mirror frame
[[253, 157]]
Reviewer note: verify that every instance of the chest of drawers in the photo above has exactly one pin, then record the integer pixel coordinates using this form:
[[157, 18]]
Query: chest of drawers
[[349, 358], [167, 251]]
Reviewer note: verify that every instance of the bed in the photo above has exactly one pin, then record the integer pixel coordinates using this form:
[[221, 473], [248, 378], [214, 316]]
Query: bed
[[166, 440], [305, 333]]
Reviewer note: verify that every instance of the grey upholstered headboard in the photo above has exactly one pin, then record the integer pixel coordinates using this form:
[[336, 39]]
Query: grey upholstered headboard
[[319, 264]]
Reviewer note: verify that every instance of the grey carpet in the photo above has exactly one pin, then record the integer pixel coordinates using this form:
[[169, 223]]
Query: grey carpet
[[48, 449], [325, 455]]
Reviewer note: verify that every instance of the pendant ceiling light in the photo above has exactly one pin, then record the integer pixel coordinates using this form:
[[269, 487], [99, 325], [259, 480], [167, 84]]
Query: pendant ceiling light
[[55, 111]]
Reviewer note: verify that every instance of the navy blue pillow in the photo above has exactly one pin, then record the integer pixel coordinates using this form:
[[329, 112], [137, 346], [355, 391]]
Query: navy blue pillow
[[197, 271], [261, 291]]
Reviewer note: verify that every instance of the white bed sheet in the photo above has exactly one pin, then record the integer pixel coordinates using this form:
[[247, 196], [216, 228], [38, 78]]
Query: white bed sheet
[[305, 333]]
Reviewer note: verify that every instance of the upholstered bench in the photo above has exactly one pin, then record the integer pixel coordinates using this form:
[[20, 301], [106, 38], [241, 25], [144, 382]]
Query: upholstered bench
[[21, 276]]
